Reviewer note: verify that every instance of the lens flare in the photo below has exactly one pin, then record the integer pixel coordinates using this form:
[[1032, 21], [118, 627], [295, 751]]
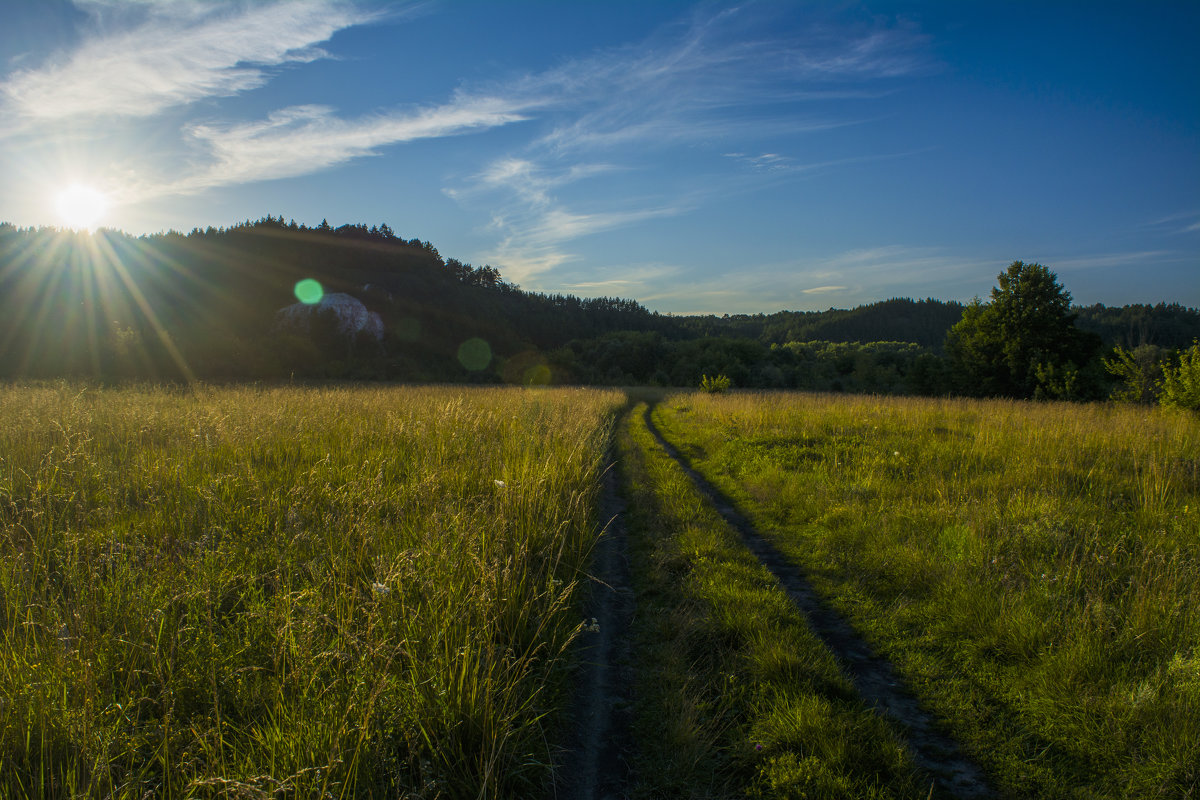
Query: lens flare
[[475, 354], [309, 291]]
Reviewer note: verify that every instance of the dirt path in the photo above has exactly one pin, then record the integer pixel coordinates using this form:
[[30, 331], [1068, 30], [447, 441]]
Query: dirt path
[[594, 763], [874, 677]]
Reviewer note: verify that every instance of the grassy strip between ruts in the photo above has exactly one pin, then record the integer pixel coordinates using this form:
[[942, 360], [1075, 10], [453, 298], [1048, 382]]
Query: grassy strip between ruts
[[1033, 570], [289, 593], [735, 696]]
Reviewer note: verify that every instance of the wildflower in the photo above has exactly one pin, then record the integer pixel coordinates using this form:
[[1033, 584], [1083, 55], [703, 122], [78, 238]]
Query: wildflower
[[758, 747], [380, 590], [895, 452], [500, 483]]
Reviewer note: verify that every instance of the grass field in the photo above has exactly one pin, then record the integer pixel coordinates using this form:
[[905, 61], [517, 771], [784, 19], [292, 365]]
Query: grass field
[[1033, 570], [247, 592], [255, 593]]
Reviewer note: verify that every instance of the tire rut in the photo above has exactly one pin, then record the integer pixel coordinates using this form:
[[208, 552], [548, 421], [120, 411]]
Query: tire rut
[[873, 677], [594, 762]]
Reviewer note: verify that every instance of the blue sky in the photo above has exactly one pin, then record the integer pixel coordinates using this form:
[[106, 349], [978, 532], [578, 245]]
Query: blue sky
[[697, 157]]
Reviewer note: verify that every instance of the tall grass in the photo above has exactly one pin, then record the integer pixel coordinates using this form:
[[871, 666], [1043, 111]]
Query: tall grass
[[255, 592], [1033, 569]]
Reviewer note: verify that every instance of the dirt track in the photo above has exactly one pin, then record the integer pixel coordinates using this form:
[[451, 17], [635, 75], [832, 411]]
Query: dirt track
[[595, 763]]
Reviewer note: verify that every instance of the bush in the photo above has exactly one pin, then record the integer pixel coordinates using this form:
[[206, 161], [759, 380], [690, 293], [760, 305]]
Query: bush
[[1140, 371], [716, 385], [1181, 384]]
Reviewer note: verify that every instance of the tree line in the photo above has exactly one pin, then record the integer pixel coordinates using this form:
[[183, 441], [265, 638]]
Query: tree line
[[205, 304]]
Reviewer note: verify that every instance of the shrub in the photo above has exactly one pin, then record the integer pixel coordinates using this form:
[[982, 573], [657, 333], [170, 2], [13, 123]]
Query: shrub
[[716, 385], [1181, 384], [1139, 370]]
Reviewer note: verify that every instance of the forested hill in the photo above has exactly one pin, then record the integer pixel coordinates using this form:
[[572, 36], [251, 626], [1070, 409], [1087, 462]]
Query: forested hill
[[206, 304]]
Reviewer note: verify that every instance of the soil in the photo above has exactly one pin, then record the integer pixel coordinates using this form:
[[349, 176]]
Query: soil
[[875, 679]]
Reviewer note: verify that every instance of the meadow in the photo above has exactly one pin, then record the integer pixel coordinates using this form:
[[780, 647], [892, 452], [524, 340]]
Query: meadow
[[1032, 570], [736, 697], [355, 592], [285, 592]]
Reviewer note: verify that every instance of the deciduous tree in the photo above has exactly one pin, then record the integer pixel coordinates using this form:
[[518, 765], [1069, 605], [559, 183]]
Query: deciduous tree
[[1023, 343]]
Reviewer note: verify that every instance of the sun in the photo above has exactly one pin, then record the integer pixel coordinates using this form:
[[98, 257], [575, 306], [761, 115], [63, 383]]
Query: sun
[[81, 206]]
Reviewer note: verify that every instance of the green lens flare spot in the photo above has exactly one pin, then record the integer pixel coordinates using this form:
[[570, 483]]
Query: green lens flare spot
[[537, 375], [309, 291], [475, 354]]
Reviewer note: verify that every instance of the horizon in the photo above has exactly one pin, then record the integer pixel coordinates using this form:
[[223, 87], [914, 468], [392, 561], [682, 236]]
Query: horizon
[[699, 158]]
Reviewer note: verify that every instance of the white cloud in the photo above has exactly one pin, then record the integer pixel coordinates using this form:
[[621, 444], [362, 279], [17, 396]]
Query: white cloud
[[305, 139], [775, 163], [724, 77], [534, 244], [559, 225], [1190, 221], [177, 53], [847, 279], [530, 181]]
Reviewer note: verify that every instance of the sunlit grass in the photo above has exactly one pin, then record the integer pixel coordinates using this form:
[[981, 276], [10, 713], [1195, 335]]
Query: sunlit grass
[[736, 696], [289, 592], [1034, 570]]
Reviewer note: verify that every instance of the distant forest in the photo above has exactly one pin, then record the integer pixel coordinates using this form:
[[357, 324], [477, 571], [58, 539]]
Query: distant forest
[[206, 305]]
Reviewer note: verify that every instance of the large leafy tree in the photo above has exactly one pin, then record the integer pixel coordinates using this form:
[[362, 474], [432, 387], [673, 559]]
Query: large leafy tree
[[1023, 343]]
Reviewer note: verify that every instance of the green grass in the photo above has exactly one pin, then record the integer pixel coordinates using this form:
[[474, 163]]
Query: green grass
[[252, 592], [736, 697], [360, 592], [1032, 569]]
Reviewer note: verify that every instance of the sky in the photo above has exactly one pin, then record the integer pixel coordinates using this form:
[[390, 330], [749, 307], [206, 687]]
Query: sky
[[697, 157]]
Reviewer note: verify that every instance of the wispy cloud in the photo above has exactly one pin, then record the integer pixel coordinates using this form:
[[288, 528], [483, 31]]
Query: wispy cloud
[[139, 59], [531, 182], [177, 53], [717, 78], [559, 225], [533, 244], [1182, 222], [624, 279], [716, 75], [843, 279], [304, 139], [775, 163]]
